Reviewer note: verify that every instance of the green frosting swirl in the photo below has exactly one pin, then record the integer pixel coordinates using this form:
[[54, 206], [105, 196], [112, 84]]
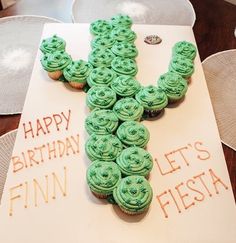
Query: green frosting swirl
[[125, 49], [100, 97], [173, 85], [182, 66], [101, 122], [100, 27], [103, 177], [186, 49], [125, 86], [152, 98], [104, 41], [77, 71], [123, 34], [101, 76], [52, 44], [57, 60], [133, 194], [132, 133], [122, 65], [101, 57], [128, 109], [103, 147], [121, 20], [135, 161]]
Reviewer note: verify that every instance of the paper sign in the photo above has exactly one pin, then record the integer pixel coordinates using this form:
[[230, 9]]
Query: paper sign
[[46, 198]]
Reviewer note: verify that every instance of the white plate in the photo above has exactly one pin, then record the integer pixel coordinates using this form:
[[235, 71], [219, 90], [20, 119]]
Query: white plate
[[6, 146], [169, 12], [220, 72], [19, 40]]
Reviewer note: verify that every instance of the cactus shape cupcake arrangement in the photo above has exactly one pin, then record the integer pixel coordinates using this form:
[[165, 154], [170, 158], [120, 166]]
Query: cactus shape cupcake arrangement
[[116, 146]]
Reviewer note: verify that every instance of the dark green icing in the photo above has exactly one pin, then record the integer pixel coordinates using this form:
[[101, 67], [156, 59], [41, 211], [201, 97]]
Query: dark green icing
[[124, 49], [133, 194], [126, 66], [128, 109], [100, 27], [132, 133], [101, 122], [100, 97], [103, 177], [125, 86], [152, 98], [103, 147], [100, 57], [101, 76], [135, 161], [55, 61], [52, 44], [77, 71]]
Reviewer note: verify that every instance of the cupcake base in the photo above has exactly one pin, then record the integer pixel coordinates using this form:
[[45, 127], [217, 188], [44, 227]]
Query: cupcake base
[[100, 196], [133, 213], [77, 85], [151, 113], [55, 75]]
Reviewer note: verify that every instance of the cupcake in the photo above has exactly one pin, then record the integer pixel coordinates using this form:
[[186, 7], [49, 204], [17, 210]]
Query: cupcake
[[125, 86], [101, 122], [128, 109], [132, 133], [182, 66], [102, 178], [101, 76], [100, 27], [125, 49], [100, 97], [52, 44], [77, 72], [123, 34], [133, 194], [100, 57], [104, 41], [173, 85], [54, 63], [185, 49], [153, 99], [124, 66], [103, 147], [135, 161], [121, 20]]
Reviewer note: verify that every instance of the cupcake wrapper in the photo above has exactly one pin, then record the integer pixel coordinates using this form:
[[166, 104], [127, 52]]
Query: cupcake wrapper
[[76, 84], [100, 196], [133, 213], [55, 75], [151, 113]]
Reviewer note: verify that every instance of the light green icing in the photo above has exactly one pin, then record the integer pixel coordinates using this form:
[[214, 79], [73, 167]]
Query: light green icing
[[128, 109], [55, 61], [133, 194], [132, 133], [186, 49], [100, 97], [52, 44], [125, 86], [100, 27], [173, 85], [103, 177], [100, 57], [182, 66], [77, 71], [101, 76], [126, 66], [152, 98], [135, 161], [123, 34], [103, 147], [104, 41], [101, 122], [121, 20], [125, 49]]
